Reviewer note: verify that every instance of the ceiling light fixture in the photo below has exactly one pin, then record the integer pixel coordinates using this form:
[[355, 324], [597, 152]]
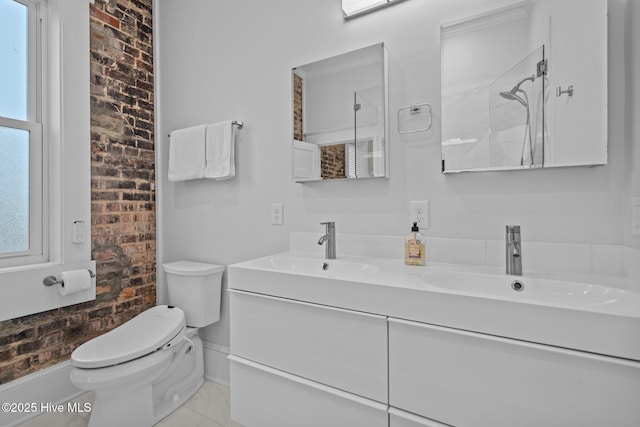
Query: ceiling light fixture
[[354, 8]]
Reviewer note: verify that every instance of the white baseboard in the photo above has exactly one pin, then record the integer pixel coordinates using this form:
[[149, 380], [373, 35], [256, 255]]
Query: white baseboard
[[216, 365], [50, 385]]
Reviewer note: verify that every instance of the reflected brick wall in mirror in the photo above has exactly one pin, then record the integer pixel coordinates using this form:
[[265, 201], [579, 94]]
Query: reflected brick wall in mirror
[[332, 161], [298, 131]]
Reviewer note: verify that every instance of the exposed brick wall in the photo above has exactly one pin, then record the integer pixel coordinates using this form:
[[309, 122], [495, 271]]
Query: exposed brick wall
[[332, 161], [122, 193], [297, 108]]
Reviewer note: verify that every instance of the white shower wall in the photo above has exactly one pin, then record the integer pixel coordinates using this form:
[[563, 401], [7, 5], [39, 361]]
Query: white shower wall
[[220, 60], [632, 88]]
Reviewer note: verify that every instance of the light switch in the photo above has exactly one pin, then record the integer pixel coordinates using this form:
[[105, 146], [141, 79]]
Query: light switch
[[78, 235]]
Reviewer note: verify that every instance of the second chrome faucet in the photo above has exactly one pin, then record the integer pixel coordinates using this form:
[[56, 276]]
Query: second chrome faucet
[[513, 250], [329, 239]]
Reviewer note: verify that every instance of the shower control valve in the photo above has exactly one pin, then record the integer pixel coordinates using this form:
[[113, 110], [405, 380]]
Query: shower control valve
[[568, 91]]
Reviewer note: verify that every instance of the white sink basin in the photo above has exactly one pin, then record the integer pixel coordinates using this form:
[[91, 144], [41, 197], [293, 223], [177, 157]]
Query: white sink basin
[[557, 311], [347, 270], [535, 290]]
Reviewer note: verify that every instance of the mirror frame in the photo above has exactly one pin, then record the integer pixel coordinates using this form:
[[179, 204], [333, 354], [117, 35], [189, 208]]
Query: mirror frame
[[305, 149], [564, 112]]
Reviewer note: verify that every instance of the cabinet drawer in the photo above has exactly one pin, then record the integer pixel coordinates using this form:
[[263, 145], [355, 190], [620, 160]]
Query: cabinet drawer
[[468, 379], [344, 349], [266, 397], [398, 418]]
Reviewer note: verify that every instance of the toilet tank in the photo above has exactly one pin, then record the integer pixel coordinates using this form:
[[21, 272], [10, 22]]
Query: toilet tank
[[196, 288]]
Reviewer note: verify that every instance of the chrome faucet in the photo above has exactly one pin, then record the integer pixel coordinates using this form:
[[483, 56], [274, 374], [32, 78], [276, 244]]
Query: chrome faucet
[[330, 239], [514, 250]]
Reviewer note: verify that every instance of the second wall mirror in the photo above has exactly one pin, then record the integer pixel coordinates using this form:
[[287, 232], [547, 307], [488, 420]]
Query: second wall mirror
[[525, 86], [340, 117]]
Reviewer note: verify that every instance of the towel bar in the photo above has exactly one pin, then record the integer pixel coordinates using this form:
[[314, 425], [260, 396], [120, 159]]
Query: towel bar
[[237, 123], [415, 110]]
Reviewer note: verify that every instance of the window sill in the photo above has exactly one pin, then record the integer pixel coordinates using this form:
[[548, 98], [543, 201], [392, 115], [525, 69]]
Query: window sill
[[23, 292]]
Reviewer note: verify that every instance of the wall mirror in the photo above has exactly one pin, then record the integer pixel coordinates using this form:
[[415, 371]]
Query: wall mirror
[[339, 117], [525, 86]]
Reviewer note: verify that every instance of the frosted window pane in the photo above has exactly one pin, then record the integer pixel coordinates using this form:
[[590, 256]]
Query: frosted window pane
[[13, 57], [14, 190]]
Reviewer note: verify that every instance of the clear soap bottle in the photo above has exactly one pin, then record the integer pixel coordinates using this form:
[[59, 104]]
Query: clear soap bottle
[[414, 249]]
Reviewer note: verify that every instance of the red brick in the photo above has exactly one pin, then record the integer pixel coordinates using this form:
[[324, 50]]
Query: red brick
[[104, 17]]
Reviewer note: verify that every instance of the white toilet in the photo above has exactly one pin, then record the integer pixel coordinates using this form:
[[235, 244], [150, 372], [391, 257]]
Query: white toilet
[[146, 368]]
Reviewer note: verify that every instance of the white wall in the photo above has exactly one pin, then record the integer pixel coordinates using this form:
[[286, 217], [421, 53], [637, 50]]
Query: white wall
[[232, 60], [328, 98], [632, 89]]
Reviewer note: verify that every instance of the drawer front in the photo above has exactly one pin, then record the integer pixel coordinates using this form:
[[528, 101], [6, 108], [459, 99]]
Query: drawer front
[[467, 379], [343, 349], [398, 418], [265, 397]]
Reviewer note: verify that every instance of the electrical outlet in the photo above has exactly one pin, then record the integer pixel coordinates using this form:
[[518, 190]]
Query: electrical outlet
[[419, 212], [276, 214]]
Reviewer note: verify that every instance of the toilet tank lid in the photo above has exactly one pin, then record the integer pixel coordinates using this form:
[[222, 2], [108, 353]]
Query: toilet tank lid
[[192, 268]]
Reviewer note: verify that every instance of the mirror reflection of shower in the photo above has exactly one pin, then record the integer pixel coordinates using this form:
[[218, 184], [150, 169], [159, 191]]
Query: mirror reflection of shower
[[512, 95], [517, 106]]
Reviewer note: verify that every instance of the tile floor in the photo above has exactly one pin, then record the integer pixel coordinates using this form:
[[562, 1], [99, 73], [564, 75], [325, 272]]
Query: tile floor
[[209, 407]]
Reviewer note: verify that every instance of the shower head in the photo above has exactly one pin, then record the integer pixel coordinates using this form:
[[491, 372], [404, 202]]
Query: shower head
[[511, 96]]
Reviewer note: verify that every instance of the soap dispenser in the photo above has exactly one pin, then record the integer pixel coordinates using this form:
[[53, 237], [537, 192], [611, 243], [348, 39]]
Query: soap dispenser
[[414, 249]]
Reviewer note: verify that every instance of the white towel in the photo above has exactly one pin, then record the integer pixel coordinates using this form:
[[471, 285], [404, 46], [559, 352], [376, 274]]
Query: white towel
[[187, 153], [220, 148]]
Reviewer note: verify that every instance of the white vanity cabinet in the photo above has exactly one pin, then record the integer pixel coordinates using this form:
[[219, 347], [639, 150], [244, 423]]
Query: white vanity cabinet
[[321, 349], [300, 364], [267, 397], [467, 379]]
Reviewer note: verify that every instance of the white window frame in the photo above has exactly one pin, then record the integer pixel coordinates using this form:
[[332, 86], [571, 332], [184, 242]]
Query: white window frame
[[66, 164], [37, 69]]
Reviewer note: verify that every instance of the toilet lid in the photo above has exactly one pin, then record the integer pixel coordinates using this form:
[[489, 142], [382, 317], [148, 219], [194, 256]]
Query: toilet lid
[[143, 334], [192, 268]]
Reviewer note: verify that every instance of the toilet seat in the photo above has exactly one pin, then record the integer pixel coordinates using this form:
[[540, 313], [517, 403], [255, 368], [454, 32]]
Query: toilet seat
[[142, 335], [125, 373]]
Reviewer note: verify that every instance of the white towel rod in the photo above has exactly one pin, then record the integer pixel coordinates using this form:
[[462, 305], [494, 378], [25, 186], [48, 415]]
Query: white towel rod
[[235, 123]]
